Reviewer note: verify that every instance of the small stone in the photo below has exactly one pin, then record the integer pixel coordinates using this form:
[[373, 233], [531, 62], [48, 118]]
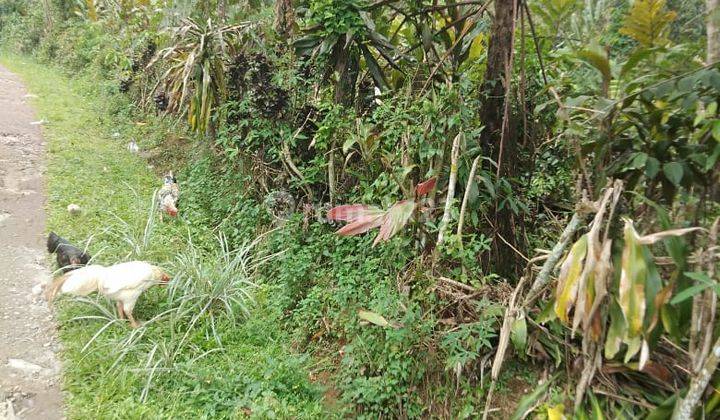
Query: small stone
[[37, 289], [74, 209], [24, 366]]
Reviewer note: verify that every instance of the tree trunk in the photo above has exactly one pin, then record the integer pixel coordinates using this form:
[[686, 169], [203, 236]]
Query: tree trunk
[[48, 16], [493, 88], [347, 69], [498, 137], [713, 30], [284, 17], [222, 11]]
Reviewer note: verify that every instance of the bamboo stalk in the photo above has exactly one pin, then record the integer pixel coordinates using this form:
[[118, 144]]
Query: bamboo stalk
[[463, 207], [331, 174], [454, 155], [710, 297]]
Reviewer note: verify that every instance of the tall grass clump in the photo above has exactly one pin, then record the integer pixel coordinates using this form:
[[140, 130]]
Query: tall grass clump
[[210, 287]]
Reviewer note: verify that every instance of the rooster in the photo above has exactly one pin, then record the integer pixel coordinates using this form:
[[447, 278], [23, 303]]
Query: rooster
[[168, 196], [123, 283], [69, 257]]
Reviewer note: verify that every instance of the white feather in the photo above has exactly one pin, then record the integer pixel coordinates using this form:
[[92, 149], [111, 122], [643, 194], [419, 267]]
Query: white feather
[[125, 282], [83, 281]]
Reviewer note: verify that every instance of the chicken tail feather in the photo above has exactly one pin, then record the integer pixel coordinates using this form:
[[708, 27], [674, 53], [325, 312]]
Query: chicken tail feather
[[54, 287]]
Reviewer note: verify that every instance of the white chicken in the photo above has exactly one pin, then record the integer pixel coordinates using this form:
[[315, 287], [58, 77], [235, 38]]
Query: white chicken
[[123, 283]]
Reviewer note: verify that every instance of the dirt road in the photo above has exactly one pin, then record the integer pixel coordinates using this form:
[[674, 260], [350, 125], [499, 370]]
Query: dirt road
[[29, 369]]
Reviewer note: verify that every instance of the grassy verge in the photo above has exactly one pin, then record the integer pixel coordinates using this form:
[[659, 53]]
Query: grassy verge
[[223, 368]]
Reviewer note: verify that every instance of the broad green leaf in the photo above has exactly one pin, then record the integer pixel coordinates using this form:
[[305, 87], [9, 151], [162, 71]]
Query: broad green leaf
[[704, 283], [655, 295], [670, 320], [663, 411], [374, 67], [518, 334], [616, 331], [566, 292], [673, 172], [711, 109], [548, 313], [699, 276], [716, 130], [488, 185], [373, 318], [652, 167], [634, 344], [639, 160]]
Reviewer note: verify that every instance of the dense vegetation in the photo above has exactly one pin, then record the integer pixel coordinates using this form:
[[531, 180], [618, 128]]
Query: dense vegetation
[[475, 135]]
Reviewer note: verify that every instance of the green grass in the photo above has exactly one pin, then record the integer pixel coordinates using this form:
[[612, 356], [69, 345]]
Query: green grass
[[253, 373]]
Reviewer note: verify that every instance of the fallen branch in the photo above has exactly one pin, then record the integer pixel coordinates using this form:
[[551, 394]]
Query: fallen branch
[[510, 316], [544, 276]]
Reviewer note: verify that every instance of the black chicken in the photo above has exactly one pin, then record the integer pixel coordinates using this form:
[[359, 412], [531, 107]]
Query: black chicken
[[69, 257]]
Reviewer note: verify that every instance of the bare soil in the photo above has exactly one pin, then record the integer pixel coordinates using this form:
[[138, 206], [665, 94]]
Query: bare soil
[[29, 368]]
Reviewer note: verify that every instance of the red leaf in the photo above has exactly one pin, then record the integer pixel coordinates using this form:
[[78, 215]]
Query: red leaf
[[361, 225], [425, 187], [351, 212], [395, 219]]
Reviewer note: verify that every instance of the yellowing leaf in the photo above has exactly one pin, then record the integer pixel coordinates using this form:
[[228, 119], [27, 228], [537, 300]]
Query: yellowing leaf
[[648, 22], [556, 413], [476, 48], [597, 58], [632, 281], [570, 271], [373, 318]]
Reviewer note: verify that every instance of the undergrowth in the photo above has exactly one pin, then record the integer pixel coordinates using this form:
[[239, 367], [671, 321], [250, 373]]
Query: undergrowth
[[225, 368]]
